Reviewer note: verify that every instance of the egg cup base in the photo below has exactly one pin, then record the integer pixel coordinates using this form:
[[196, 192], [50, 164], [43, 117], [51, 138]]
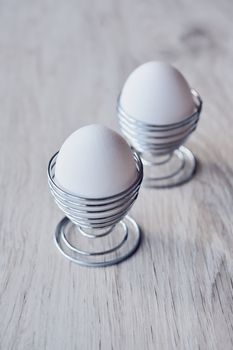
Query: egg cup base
[[121, 242], [179, 169]]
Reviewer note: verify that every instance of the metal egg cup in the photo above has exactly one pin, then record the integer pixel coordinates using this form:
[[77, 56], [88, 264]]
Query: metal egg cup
[[96, 232], [167, 162]]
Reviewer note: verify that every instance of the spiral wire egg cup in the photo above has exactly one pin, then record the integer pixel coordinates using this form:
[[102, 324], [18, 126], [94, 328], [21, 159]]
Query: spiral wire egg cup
[[167, 162], [96, 232]]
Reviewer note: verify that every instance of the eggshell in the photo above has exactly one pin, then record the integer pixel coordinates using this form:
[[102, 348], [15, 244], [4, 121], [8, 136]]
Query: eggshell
[[95, 162], [157, 93]]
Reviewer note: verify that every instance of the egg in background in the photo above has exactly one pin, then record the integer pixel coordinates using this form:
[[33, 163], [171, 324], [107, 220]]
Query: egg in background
[[157, 93]]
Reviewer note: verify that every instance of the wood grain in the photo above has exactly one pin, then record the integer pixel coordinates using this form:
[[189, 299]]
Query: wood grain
[[62, 64]]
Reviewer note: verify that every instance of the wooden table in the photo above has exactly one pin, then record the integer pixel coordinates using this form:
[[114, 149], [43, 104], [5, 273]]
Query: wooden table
[[62, 64]]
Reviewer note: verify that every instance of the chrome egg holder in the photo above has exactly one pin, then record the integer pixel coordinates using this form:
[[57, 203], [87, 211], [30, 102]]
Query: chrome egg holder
[[96, 232], [167, 162]]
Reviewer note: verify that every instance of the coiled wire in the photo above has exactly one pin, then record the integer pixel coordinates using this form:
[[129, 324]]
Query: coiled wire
[[94, 213], [158, 139]]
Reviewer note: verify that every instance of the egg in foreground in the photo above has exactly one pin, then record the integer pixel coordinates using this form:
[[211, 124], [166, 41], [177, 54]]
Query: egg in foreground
[[95, 162]]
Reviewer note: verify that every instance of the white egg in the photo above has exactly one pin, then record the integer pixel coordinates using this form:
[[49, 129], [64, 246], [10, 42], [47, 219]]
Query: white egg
[[157, 93], [95, 162]]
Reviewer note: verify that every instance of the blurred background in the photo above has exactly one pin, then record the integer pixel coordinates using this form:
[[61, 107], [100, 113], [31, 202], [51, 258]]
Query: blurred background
[[67, 60]]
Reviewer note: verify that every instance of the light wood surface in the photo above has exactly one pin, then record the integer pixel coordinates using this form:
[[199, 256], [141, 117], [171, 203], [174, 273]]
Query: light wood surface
[[62, 64]]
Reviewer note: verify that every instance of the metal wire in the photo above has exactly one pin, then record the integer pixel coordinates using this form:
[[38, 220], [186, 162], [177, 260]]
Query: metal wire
[[121, 251], [96, 218], [101, 252], [158, 140], [91, 212]]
